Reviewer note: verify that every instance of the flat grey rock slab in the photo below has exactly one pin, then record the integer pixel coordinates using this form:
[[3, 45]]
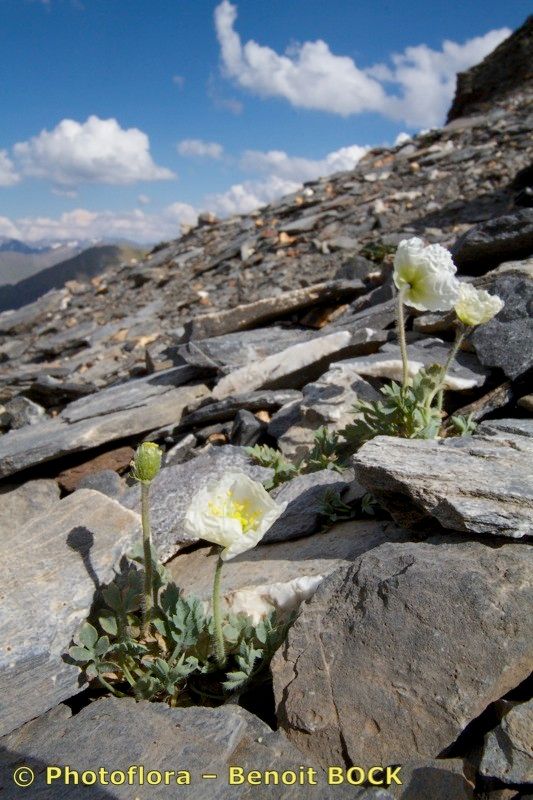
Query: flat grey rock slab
[[172, 490], [296, 366], [465, 373], [305, 496], [18, 504], [52, 567], [377, 317], [233, 350], [129, 409], [506, 341], [26, 318], [395, 655], [114, 734], [502, 427], [508, 749], [224, 410], [476, 484], [280, 575], [500, 239], [270, 308]]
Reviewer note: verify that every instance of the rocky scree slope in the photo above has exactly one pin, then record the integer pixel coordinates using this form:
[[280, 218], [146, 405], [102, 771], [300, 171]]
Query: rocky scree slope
[[260, 329]]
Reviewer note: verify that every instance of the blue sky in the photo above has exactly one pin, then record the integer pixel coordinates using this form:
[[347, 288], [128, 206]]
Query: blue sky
[[127, 117]]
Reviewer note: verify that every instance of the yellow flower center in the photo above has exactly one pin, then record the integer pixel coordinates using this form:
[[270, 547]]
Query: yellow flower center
[[232, 509]]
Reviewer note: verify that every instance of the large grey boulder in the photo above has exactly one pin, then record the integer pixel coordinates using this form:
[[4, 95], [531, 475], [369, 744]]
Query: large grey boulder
[[128, 409], [437, 779], [507, 340], [500, 239], [114, 734], [476, 484], [52, 567], [173, 489], [394, 656], [508, 750]]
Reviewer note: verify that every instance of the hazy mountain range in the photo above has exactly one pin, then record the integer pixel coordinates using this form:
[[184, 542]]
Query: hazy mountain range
[[19, 260], [40, 268]]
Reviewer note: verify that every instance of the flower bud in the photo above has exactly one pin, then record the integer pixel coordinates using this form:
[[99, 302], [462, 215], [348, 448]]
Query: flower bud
[[147, 462], [476, 306]]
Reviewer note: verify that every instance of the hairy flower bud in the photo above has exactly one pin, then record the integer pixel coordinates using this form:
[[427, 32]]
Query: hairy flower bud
[[476, 306], [147, 462]]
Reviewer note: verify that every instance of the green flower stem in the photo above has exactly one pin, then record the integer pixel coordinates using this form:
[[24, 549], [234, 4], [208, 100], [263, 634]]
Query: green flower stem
[[460, 335], [218, 639], [110, 688], [127, 674], [400, 327], [147, 547]]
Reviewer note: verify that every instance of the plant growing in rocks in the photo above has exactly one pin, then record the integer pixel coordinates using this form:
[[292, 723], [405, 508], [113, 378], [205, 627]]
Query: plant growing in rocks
[[148, 640], [424, 276]]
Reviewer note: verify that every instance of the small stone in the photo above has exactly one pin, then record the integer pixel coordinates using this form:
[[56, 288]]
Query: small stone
[[105, 481], [21, 412], [246, 429], [117, 460], [181, 451], [526, 402]]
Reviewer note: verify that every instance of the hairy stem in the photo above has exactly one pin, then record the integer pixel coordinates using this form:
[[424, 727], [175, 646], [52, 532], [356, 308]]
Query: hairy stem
[[147, 547], [218, 639], [400, 327], [110, 688], [460, 335]]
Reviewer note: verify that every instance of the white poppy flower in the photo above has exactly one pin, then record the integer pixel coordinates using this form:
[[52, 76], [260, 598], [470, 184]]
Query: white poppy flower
[[476, 306], [234, 512], [426, 274]]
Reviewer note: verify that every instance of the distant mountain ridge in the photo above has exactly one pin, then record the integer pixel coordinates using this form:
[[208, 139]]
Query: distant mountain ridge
[[82, 266], [16, 246], [19, 259]]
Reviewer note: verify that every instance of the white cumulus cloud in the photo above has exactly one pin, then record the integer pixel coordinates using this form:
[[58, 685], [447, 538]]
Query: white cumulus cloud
[[80, 223], [95, 151], [249, 195], [416, 89], [199, 148], [8, 174], [298, 169], [283, 174]]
